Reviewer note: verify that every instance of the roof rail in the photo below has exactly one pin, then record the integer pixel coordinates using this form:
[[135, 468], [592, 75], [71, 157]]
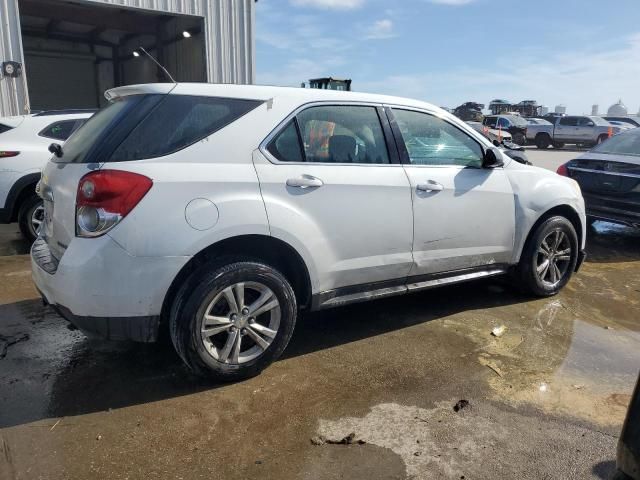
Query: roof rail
[[68, 111]]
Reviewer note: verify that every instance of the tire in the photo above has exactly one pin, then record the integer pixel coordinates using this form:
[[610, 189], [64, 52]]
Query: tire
[[204, 293], [544, 284], [543, 141], [601, 139], [558, 145], [30, 210], [519, 139]]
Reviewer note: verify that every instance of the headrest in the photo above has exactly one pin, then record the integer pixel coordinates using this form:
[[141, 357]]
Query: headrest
[[342, 149]]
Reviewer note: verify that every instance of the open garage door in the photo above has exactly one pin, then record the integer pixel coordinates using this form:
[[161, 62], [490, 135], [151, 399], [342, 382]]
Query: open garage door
[[74, 51]]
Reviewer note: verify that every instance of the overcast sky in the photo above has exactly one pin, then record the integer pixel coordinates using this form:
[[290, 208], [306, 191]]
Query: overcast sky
[[575, 52]]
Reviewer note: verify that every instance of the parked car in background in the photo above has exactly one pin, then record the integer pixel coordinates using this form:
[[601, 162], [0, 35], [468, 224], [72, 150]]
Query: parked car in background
[[609, 176], [578, 130], [24, 142], [628, 458], [220, 211], [495, 136], [634, 122], [622, 125], [515, 125]]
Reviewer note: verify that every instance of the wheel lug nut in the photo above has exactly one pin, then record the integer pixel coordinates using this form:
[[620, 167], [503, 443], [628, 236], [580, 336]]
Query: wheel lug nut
[[243, 331], [232, 329], [251, 320], [245, 310]]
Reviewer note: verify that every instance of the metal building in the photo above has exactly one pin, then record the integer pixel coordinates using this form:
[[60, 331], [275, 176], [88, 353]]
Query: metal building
[[72, 51]]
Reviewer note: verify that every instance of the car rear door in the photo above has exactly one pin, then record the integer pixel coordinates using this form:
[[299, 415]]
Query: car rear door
[[334, 188], [464, 215]]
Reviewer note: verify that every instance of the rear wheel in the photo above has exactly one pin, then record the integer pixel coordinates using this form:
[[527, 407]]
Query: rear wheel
[[30, 217], [549, 257], [230, 321], [543, 141]]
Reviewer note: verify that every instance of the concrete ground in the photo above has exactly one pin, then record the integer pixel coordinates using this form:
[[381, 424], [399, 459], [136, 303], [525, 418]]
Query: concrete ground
[[545, 400], [551, 158]]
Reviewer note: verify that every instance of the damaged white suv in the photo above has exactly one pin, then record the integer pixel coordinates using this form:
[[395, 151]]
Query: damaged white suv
[[221, 211]]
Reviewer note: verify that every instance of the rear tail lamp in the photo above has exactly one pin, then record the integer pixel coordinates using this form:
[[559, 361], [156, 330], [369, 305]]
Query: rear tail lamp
[[105, 197], [562, 170], [6, 153]]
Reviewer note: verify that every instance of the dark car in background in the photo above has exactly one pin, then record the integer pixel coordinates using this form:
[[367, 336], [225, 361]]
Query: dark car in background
[[609, 176], [628, 461]]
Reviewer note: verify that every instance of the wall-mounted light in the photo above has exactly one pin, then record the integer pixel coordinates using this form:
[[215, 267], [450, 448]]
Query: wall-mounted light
[[186, 34], [136, 54]]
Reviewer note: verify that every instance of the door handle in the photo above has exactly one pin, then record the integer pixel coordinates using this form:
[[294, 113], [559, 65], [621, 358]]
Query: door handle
[[430, 186], [305, 181]]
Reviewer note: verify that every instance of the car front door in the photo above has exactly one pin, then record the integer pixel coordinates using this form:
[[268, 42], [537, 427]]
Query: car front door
[[586, 128], [333, 187], [464, 215]]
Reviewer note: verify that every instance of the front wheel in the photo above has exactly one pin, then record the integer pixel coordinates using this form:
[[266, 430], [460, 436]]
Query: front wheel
[[519, 139], [549, 257], [30, 217], [231, 321]]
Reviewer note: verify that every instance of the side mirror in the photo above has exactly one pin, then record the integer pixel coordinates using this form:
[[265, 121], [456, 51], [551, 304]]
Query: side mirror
[[56, 149], [492, 159], [591, 124]]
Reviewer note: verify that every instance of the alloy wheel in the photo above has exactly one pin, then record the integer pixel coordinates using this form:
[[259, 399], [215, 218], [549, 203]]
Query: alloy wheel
[[240, 323], [553, 258], [37, 217]]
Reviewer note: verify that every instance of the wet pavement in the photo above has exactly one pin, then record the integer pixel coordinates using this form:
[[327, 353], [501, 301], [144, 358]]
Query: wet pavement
[[546, 399]]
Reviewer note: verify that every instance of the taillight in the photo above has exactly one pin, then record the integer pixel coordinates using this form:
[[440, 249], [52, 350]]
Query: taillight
[[562, 170], [6, 153], [105, 197]]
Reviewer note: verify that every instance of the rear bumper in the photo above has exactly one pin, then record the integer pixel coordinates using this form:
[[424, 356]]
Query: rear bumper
[[104, 291]]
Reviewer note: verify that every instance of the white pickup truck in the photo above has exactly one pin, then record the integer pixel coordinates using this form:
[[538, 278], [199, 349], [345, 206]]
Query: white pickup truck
[[579, 130]]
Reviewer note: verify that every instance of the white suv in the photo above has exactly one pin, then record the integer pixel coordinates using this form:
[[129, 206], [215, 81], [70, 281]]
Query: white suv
[[23, 154], [221, 211]]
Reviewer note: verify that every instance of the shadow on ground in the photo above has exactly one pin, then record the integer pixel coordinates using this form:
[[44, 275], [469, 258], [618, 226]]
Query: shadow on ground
[[57, 372]]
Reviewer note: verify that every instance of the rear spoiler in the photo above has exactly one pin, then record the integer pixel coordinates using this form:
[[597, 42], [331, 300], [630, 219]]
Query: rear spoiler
[[148, 88]]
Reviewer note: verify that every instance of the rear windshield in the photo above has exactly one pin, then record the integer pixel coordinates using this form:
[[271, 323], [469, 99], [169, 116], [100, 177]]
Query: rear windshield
[[622, 144], [148, 126]]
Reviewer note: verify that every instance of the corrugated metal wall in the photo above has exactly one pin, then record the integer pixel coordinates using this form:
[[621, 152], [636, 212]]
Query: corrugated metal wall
[[228, 30]]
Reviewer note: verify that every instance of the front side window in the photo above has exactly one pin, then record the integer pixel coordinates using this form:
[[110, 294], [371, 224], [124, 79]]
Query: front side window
[[569, 121], [433, 141], [332, 134], [59, 130]]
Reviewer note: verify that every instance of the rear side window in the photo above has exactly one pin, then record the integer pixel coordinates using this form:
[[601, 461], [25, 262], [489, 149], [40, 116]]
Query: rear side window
[[4, 128], [332, 134], [286, 146], [179, 121], [59, 130]]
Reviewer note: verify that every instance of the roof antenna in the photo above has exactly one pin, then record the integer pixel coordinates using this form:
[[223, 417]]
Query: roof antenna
[[157, 63]]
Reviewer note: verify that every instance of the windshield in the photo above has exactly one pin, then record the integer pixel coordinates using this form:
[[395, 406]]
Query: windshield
[[517, 121], [600, 121], [622, 144]]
